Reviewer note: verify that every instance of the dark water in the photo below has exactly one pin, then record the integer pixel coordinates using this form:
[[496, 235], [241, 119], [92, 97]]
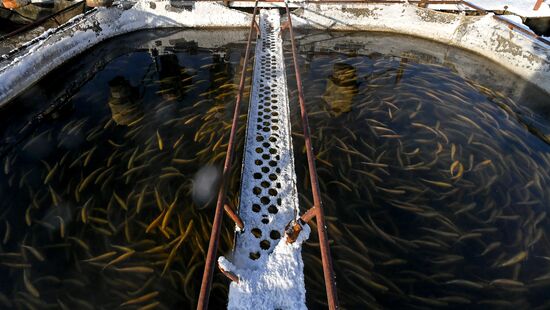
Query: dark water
[[7, 27], [433, 169], [98, 207], [434, 176]]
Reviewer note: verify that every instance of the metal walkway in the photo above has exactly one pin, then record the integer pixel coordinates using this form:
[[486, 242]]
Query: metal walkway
[[268, 198], [266, 266]]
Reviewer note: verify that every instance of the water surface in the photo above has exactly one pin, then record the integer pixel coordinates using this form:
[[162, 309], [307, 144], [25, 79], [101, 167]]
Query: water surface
[[434, 174], [100, 161], [433, 169]]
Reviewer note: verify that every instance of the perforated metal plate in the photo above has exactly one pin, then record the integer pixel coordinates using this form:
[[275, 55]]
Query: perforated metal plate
[[268, 190]]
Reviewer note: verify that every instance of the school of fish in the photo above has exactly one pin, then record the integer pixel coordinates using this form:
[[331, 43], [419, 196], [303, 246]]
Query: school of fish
[[435, 188]]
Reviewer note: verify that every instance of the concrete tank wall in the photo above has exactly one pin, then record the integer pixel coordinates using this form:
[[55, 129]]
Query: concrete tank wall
[[483, 35]]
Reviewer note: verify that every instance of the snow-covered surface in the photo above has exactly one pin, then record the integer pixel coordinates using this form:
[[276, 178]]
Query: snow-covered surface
[[56, 46], [483, 35], [279, 285], [522, 8], [516, 20], [270, 271]]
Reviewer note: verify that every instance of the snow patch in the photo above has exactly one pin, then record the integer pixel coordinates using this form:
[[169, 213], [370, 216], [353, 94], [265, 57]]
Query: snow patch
[[270, 271], [282, 277], [57, 45], [484, 35]]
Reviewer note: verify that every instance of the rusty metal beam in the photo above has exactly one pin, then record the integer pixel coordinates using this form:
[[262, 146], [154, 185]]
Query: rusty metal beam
[[206, 284], [328, 271], [42, 20], [233, 216], [510, 24], [230, 275], [537, 5]]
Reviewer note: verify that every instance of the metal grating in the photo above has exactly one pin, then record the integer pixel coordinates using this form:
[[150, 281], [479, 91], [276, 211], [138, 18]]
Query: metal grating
[[268, 191]]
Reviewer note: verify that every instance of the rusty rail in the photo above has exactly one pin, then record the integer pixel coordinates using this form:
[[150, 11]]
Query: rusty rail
[[424, 4], [42, 20], [328, 271], [510, 24], [208, 274]]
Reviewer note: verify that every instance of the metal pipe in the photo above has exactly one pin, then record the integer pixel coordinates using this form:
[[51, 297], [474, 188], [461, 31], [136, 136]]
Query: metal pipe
[[537, 5], [208, 274], [40, 21], [230, 275], [510, 24], [232, 215], [330, 281], [310, 214]]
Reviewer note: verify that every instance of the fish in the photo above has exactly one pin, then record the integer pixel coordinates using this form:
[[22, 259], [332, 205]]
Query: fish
[[50, 174], [168, 213], [437, 183], [177, 246], [120, 201], [515, 259], [34, 252], [506, 282], [122, 257], [141, 299], [101, 257], [29, 286], [159, 141]]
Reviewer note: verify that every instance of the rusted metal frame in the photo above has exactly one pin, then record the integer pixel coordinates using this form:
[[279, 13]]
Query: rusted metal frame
[[230, 275], [256, 27], [285, 26], [537, 5], [208, 274], [230, 211], [42, 20], [56, 21], [328, 271], [510, 24], [309, 214]]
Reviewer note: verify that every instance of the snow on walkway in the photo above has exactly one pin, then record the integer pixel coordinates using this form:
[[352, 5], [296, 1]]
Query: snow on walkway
[[270, 270]]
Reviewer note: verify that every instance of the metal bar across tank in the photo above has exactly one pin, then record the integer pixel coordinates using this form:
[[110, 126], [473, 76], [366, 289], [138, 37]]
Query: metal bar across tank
[[206, 284], [268, 269], [317, 209]]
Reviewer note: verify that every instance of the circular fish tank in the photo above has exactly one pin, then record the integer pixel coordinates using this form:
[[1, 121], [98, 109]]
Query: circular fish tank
[[433, 167]]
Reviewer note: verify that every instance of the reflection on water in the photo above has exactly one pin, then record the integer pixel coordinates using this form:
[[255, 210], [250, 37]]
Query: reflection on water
[[123, 102], [435, 183], [434, 175], [341, 88], [99, 205]]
